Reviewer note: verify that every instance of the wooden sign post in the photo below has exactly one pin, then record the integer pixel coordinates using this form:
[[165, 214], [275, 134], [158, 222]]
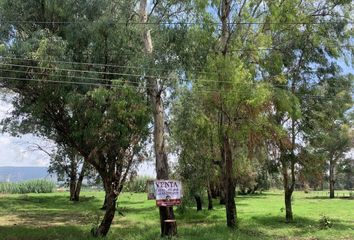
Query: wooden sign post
[[167, 193]]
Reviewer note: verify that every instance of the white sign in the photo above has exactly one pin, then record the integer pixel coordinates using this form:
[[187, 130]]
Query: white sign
[[168, 192]]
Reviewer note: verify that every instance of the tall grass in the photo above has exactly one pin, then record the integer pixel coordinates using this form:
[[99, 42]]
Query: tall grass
[[33, 186], [137, 185]]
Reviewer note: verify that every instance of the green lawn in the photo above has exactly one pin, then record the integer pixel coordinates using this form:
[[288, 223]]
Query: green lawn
[[52, 216]]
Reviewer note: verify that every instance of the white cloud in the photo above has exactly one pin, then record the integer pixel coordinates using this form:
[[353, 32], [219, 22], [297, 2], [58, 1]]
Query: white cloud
[[16, 151]]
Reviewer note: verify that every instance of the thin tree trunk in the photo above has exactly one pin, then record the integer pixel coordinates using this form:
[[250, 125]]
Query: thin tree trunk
[[72, 187], [288, 188], [210, 200], [198, 201], [229, 185], [331, 179], [104, 206], [226, 152], [222, 200], [106, 222], [288, 205], [154, 92], [79, 182], [73, 177]]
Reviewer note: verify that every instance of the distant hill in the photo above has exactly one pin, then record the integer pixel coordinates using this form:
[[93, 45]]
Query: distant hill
[[19, 174]]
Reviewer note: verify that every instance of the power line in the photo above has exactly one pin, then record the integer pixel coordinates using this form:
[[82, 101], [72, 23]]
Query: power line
[[114, 21], [258, 49], [141, 76], [104, 79], [137, 87], [113, 80], [78, 71], [61, 82], [94, 72], [74, 77]]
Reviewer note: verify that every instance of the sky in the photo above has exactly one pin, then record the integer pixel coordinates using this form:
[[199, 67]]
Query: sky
[[17, 152]]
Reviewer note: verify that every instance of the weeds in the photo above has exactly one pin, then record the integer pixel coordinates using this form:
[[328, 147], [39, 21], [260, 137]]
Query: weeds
[[33, 186]]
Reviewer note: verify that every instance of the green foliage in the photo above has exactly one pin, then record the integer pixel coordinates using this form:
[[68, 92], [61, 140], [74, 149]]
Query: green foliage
[[136, 185], [325, 222], [351, 195], [33, 186]]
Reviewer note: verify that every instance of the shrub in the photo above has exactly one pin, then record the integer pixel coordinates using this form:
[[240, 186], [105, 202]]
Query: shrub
[[351, 195], [33, 186], [325, 222]]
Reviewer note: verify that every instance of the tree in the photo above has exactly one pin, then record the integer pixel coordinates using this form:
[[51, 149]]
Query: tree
[[302, 56], [194, 141], [104, 121], [267, 40], [156, 86], [68, 166], [333, 139]]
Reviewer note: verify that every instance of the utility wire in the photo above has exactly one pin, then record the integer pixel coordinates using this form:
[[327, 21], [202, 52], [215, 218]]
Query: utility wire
[[140, 76], [176, 23], [67, 76], [259, 49], [137, 87], [61, 82]]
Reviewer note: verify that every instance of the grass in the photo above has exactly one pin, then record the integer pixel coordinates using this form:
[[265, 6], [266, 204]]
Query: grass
[[32, 186], [52, 216]]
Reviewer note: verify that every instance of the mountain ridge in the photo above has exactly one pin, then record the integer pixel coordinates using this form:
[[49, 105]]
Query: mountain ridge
[[20, 174]]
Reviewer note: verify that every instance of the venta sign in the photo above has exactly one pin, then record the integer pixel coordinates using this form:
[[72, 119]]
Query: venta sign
[[166, 192]]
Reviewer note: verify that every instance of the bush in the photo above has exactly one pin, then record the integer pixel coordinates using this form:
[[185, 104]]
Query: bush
[[33, 186], [137, 185], [351, 195], [325, 222]]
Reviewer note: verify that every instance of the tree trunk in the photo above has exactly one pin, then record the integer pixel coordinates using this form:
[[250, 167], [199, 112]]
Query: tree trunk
[[210, 200], [229, 183], [104, 206], [167, 228], [331, 179], [226, 152], [73, 178], [106, 222], [154, 92], [79, 182], [222, 197], [288, 188], [72, 186], [288, 205], [198, 201]]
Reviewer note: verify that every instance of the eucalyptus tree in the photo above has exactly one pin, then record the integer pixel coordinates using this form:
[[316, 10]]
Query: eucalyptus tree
[[307, 43], [159, 53], [290, 45], [232, 100], [87, 107], [194, 140], [330, 130]]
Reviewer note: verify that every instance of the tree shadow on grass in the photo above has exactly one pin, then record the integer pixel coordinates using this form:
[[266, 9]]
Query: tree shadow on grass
[[49, 202], [44, 233], [48, 210], [301, 225], [327, 198]]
